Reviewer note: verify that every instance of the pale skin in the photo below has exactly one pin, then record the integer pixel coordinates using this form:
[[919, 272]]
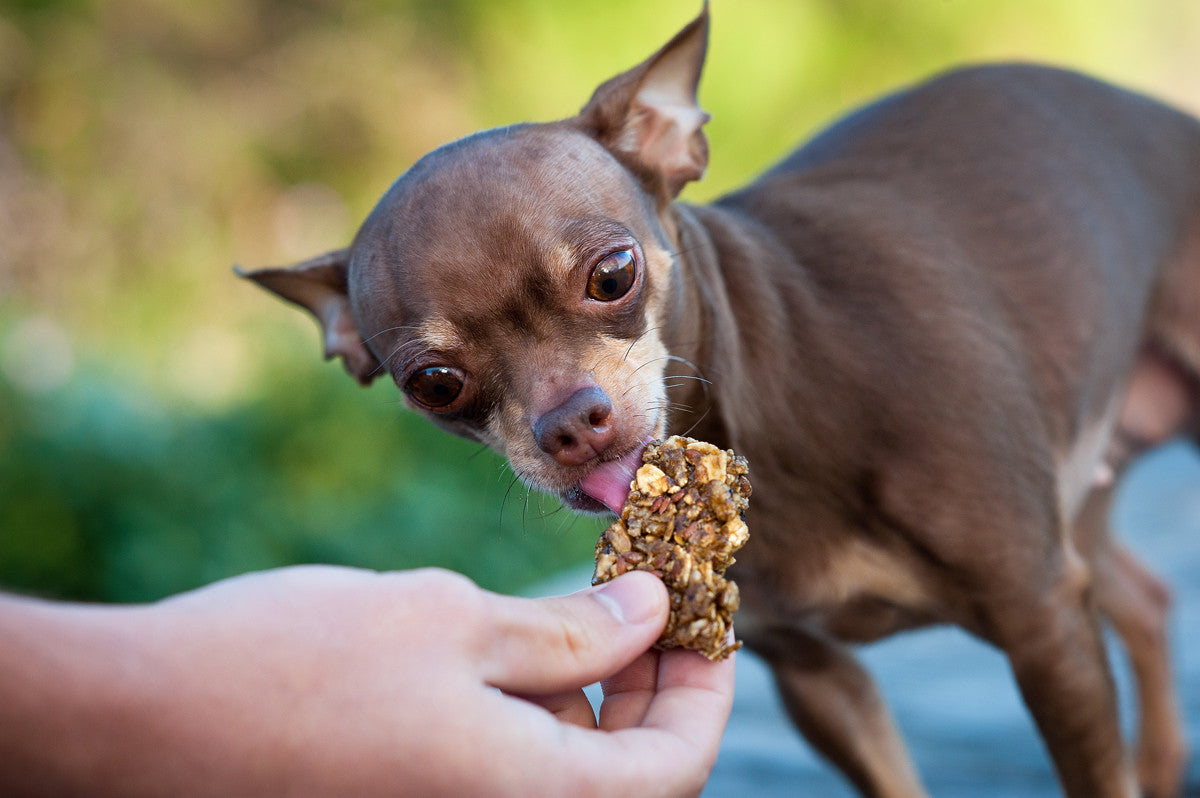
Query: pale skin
[[319, 680]]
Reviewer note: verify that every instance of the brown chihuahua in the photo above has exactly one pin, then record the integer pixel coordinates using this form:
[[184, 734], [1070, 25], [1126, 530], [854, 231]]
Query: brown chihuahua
[[940, 331]]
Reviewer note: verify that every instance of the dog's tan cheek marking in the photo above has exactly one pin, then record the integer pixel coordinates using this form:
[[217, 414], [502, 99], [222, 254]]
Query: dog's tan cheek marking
[[502, 428], [492, 436], [660, 269], [659, 265], [631, 373], [508, 434]]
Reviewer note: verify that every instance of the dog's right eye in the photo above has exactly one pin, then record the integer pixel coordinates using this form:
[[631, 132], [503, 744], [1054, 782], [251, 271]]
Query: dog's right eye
[[434, 387], [612, 277]]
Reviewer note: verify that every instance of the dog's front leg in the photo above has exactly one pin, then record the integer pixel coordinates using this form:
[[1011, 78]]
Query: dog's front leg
[[1053, 643], [834, 703]]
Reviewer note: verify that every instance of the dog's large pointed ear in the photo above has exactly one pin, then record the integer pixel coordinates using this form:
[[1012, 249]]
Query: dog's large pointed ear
[[319, 286], [649, 117]]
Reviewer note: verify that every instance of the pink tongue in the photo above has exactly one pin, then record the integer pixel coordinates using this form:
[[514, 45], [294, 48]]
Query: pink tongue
[[609, 483]]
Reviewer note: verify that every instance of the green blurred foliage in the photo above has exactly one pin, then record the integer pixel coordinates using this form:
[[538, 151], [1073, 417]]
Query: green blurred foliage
[[111, 493], [163, 425]]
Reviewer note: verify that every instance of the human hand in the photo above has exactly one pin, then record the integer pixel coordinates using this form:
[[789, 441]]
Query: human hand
[[319, 680]]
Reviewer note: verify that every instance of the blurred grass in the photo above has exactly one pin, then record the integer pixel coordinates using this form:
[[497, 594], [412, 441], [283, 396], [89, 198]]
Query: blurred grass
[[163, 425]]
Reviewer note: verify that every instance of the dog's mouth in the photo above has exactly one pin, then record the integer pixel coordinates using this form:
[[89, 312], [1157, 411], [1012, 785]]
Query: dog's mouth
[[606, 486]]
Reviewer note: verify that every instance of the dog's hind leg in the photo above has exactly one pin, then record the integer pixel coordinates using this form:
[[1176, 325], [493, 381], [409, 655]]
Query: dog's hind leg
[[834, 703], [1164, 395], [1136, 603], [1161, 402], [1052, 638]]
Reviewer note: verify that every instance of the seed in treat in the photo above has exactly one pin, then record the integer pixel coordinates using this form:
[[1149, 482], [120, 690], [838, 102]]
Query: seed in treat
[[619, 540]]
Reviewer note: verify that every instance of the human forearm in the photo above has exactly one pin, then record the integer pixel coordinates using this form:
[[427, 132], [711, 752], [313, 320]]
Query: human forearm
[[70, 680]]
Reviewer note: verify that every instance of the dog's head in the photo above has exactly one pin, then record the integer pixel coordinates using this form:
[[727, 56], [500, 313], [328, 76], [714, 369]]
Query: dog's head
[[512, 283]]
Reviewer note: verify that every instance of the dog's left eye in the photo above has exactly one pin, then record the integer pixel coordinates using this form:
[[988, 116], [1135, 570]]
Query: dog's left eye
[[437, 386], [612, 277]]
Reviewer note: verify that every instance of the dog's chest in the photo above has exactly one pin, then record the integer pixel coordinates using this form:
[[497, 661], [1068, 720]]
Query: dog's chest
[[853, 589]]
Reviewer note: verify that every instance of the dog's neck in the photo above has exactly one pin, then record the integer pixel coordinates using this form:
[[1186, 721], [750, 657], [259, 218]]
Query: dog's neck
[[700, 329], [727, 314], [778, 354]]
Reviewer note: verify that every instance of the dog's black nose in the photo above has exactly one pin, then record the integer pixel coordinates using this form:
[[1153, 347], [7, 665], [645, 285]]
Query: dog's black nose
[[578, 429]]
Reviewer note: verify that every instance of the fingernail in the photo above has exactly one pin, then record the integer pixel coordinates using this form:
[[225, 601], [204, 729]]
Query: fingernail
[[631, 598]]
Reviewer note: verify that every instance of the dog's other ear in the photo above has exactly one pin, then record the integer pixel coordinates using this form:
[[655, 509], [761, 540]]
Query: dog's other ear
[[649, 117], [319, 286]]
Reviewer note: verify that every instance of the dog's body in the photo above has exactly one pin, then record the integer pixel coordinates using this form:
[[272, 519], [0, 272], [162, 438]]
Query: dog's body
[[939, 332]]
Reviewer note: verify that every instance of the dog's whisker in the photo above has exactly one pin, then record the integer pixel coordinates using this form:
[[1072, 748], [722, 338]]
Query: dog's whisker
[[568, 521], [410, 344], [682, 380], [639, 368], [634, 342], [388, 330], [525, 514], [480, 449], [690, 377], [502, 471], [504, 501], [560, 508], [379, 369], [649, 362], [667, 406], [704, 381], [696, 423], [689, 363]]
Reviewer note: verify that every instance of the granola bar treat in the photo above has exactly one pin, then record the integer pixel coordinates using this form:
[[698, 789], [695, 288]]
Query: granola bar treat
[[683, 521]]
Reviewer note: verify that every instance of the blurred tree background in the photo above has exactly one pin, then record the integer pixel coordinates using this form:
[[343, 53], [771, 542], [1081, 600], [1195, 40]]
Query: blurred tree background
[[163, 424]]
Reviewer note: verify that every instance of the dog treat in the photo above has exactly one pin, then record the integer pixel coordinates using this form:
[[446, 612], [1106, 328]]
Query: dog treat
[[683, 521]]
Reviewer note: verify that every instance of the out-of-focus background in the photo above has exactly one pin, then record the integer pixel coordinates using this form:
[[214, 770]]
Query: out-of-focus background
[[163, 424]]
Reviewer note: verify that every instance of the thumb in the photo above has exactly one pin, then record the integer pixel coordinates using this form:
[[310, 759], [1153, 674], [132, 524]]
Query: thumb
[[540, 646]]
